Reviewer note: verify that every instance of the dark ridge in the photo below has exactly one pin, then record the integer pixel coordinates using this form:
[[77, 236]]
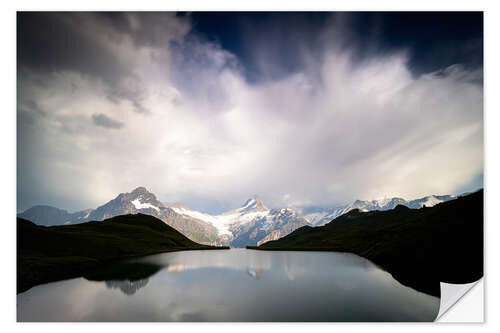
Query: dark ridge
[[46, 254], [400, 207], [419, 247], [300, 230]]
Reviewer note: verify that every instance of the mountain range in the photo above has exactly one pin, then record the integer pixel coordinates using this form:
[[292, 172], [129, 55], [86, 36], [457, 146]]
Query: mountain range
[[319, 216], [252, 224]]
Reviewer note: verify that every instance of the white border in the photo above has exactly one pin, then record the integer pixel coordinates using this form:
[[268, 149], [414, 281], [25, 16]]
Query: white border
[[8, 168]]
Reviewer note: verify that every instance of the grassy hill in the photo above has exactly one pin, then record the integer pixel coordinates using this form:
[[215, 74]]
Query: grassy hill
[[46, 254], [419, 247]]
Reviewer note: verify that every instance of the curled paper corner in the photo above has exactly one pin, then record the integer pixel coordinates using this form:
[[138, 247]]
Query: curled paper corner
[[451, 294]]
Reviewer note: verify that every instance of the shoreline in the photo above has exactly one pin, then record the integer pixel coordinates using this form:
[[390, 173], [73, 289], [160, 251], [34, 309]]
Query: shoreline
[[95, 265]]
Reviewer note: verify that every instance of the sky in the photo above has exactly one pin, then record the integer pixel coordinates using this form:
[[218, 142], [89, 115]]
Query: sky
[[211, 108]]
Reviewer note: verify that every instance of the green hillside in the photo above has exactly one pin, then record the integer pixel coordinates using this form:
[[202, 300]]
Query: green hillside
[[47, 254], [419, 247]]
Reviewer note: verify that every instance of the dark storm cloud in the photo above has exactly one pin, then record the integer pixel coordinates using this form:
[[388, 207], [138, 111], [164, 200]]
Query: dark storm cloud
[[52, 42], [270, 45], [100, 119], [63, 40], [80, 42], [58, 41], [434, 40]]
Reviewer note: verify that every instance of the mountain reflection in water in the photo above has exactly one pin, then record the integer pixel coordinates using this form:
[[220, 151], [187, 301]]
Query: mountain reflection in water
[[126, 276], [231, 285], [126, 286]]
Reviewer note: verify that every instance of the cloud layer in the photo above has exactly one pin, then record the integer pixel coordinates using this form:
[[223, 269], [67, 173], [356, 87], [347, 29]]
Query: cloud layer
[[100, 119], [144, 101]]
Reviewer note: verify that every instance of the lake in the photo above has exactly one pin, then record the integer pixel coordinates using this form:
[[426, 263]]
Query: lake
[[231, 285]]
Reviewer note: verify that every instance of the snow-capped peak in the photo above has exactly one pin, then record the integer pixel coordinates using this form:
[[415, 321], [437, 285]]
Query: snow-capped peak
[[140, 190], [141, 198], [253, 204], [253, 208]]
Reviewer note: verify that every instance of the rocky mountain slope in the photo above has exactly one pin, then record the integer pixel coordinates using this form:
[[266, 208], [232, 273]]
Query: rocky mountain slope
[[139, 200]]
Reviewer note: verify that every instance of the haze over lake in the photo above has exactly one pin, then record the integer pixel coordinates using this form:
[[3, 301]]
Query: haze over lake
[[235, 285]]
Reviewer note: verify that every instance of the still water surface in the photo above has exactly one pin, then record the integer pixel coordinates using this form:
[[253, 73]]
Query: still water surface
[[233, 285]]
